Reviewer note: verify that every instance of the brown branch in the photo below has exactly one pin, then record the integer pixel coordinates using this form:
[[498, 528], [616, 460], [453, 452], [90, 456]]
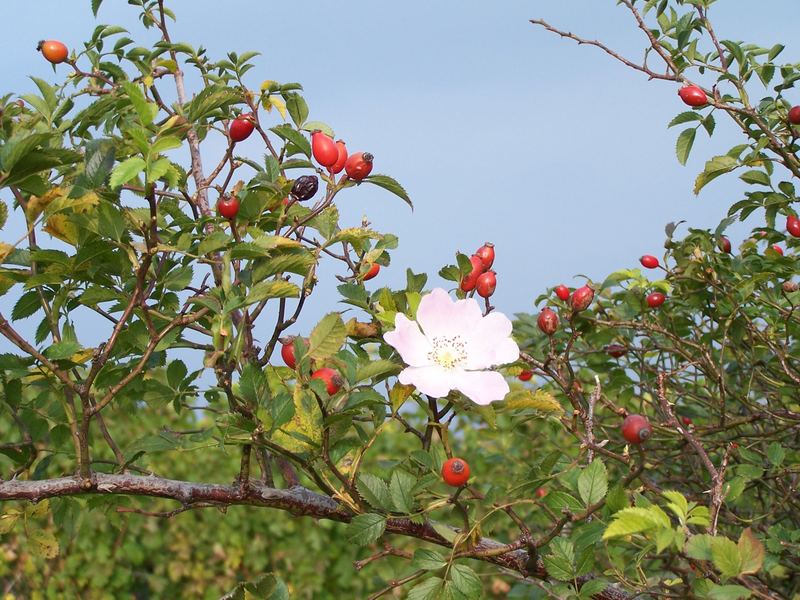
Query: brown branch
[[297, 500], [597, 44], [15, 338]]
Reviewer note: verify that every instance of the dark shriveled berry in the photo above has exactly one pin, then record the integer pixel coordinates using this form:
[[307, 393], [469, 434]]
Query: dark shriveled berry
[[305, 187]]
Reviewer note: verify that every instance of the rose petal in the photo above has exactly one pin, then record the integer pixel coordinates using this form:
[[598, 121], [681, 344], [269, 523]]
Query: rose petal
[[482, 387], [409, 342], [490, 344], [433, 380], [438, 315]]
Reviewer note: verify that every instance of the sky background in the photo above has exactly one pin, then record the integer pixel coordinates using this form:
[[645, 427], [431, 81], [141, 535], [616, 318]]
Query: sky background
[[499, 130]]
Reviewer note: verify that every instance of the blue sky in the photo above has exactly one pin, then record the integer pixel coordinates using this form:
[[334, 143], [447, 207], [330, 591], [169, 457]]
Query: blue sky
[[499, 130]]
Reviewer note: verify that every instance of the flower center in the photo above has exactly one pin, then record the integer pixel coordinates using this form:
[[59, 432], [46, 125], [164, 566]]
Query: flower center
[[448, 352]]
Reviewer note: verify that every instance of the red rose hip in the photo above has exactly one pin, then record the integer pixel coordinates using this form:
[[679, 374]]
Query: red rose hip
[[372, 272], [333, 381], [469, 280], [324, 149], [486, 254], [725, 245], [287, 354], [54, 51], [548, 321], [228, 207], [655, 299], [616, 350], [486, 284], [358, 165], [793, 225], [777, 249], [341, 151], [562, 292], [636, 429], [241, 127], [649, 261], [693, 96], [794, 115], [526, 375], [455, 472], [582, 298]]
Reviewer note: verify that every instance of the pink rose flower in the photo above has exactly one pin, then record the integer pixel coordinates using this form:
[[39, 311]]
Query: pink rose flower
[[454, 349]]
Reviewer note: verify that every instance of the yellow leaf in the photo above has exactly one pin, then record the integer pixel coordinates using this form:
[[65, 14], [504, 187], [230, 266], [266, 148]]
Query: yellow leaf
[[82, 356], [537, 400], [279, 104], [43, 544], [752, 552], [85, 203], [6, 283], [37, 204], [399, 394], [304, 431], [5, 250], [59, 227], [266, 84]]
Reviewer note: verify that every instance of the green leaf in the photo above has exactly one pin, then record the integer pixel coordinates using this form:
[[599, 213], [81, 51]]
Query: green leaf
[[725, 556], [162, 144], [466, 581], [126, 170], [210, 99], [147, 111], [776, 454], [312, 126], [429, 560], [774, 51], [365, 529], [96, 6], [558, 501], [751, 552], [176, 373], [560, 563], [297, 107], [178, 278], [592, 587], [272, 289], [677, 504], [728, 592], [719, 165], [377, 369], [632, 520], [684, 144], [426, 590], [327, 337], [215, 241], [98, 163], [253, 384], [110, 222], [289, 134], [62, 350], [374, 490], [756, 177], [401, 485], [28, 304], [699, 546], [593, 482], [48, 93], [617, 499], [686, 117], [389, 183]]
